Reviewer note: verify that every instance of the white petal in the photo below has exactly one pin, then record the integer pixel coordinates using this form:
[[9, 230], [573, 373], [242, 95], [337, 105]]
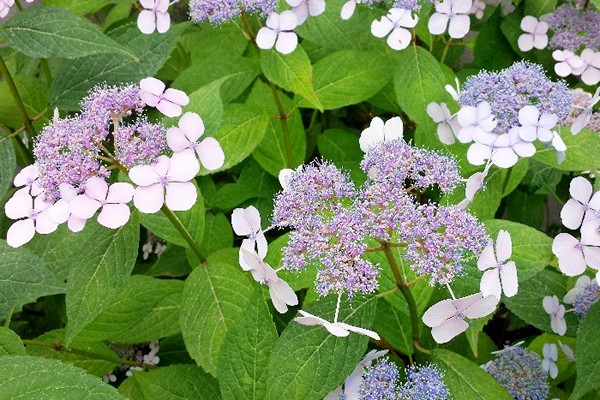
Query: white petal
[[529, 23], [180, 196], [168, 108], [286, 42], [149, 199], [20, 233], [580, 189], [490, 283], [481, 308], [211, 154], [380, 28], [437, 23], [43, 223], [592, 256], [177, 140], [265, 38], [478, 153], [143, 175], [361, 331], [287, 21], [282, 293], [504, 158], [183, 167], [176, 96], [373, 135], [503, 245], [146, 22], [540, 41], [27, 174], [510, 281], [399, 39], [96, 188], [562, 69], [487, 259], [163, 22], [570, 259], [120, 192], [439, 312], [445, 134], [84, 207], [348, 9], [459, 26], [76, 224], [449, 329], [529, 115], [152, 85], [18, 206], [60, 211], [114, 216], [571, 214], [558, 325], [191, 126], [581, 122]]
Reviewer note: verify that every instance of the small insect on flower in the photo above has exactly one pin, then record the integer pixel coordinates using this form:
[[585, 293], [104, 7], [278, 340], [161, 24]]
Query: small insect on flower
[[154, 16], [557, 314], [498, 270], [168, 102]]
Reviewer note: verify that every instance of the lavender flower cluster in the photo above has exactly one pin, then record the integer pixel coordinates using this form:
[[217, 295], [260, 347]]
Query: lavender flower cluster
[[574, 28], [221, 11]]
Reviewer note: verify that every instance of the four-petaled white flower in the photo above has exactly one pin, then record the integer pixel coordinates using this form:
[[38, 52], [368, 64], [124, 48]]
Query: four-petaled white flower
[[168, 102], [278, 33], [582, 282], [584, 118], [379, 132], [477, 123], [184, 139], [167, 181], [282, 295], [336, 328], [550, 352], [447, 127], [575, 255], [61, 210], [396, 21], [504, 152], [351, 386], [246, 222], [535, 34], [447, 317], [590, 70], [454, 12], [32, 215], [567, 62], [154, 16], [556, 311], [498, 270], [536, 126], [5, 6], [111, 199], [478, 8], [581, 204], [302, 8]]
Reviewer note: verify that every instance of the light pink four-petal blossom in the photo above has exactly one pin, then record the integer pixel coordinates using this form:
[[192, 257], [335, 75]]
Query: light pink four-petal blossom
[[32, 215], [582, 203], [477, 123], [396, 21], [535, 34], [556, 311], [590, 70], [567, 62], [452, 12], [535, 126], [302, 8], [168, 102], [279, 32], [575, 255], [154, 16], [498, 270], [246, 222]]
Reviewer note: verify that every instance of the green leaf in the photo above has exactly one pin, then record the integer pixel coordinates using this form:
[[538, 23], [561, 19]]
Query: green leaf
[[246, 351], [308, 362], [146, 309], [526, 208], [342, 147], [35, 378], [467, 380], [394, 327], [8, 164], [80, 7], [34, 94], [418, 80], [23, 278], [214, 295], [10, 343], [588, 353], [192, 220], [582, 152], [45, 32], [217, 233], [172, 382], [76, 77], [531, 249], [101, 275], [538, 8], [292, 72], [348, 77]]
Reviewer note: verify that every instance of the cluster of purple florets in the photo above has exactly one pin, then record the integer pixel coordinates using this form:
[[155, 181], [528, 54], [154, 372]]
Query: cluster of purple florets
[[380, 382], [574, 29], [586, 299], [70, 150], [221, 11], [332, 221], [515, 87]]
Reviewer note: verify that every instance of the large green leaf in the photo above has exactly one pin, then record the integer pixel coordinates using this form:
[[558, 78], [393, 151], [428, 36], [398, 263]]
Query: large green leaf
[[309, 362], [394, 327], [581, 154], [145, 310], [214, 295], [10, 343], [54, 32], [538, 8], [8, 163], [466, 380], [173, 382], [348, 77], [246, 351], [76, 77], [588, 353], [80, 7], [101, 275], [23, 278], [34, 95], [35, 378], [342, 147]]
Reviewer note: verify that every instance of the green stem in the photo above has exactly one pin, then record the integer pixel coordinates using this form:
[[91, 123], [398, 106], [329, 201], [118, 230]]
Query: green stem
[[445, 52], [85, 353], [19, 6], [18, 101], [405, 290], [182, 230]]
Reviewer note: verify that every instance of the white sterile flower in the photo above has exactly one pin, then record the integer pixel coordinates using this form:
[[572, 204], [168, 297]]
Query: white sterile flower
[[168, 102], [454, 12], [60, 211], [477, 124], [185, 139], [396, 21], [282, 295], [284, 177], [575, 255], [154, 16], [26, 180], [550, 352], [379, 132], [582, 282], [504, 152], [536, 126], [474, 183], [350, 389], [278, 32], [246, 222], [556, 311], [454, 92], [339, 329], [447, 317], [111, 199], [567, 62], [348, 9], [498, 270], [590, 70], [32, 215], [447, 127], [152, 358], [567, 351], [302, 8], [167, 181], [478, 8], [581, 204], [584, 118], [535, 34]]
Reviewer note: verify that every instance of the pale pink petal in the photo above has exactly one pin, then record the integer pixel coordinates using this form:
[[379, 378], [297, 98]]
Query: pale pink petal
[[316, 7], [348, 9], [562, 69], [591, 76], [60, 211], [580, 189], [265, 38], [282, 295], [184, 166], [570, 259], [18, 206], [449, 329], [27, 174], [524, 149], [177, 140], [308, 319], [149, 199], [192, 126], [261, 244], [529, 115], [20, 233], [558, 325], [550, 304], [361, 331], [581, 121], [153, 86], [437, 23], [76, 224], [163, 22], [459, 26], [462, 6], [529, 23], [240, 224], [163, 5], [407, 20], [399, 39], [482, 307], [168, 108], [510, 282], [380, 28], [286, 42], [504, 158], [84, 207], [176, 96], [571, 214], [43, 224], [149, 4], [120, 192], [143, 175], [146, 22], [439, 312], [180, 196], [96, 188], [467, 116], [249, 260], [445, 134], [211, 154], [487, 259], [592, 256], [590, 233], [503, 246], [434, 110], [540, 41], [477, 154], [490, 283], [114, 216]]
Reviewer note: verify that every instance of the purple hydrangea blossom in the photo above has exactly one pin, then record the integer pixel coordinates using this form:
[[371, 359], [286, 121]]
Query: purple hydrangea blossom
[[574, 29], [586, 299], [380, 382], [221, 11], [424, 382], [139, 143]]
